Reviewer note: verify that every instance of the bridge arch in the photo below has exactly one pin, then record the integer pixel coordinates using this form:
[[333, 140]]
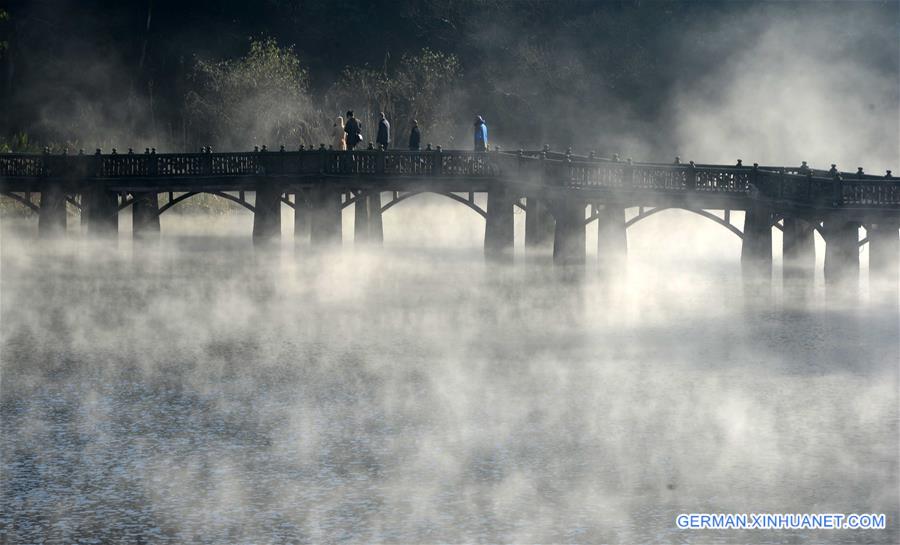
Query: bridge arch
[[644, 214], [190, 194], [403, 196], [21, 199]]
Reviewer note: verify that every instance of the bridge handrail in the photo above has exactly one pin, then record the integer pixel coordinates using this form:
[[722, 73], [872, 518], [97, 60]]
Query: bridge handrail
[[794, 184]]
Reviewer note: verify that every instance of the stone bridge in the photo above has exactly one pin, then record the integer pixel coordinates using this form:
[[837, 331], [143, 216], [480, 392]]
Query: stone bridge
[[554, 189]]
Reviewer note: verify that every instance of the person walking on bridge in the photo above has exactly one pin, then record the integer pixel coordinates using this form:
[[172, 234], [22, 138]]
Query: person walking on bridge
[[353, 130], [337, 135], [415, 137], [481, 139], [384, 133]]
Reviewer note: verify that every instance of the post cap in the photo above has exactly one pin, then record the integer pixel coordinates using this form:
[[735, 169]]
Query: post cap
[[152, 151], [114, 151], [888, 174], [302, 147], [98, 152], [130, 151], [677, 160], [428, 147], [80, 151], [859, 170], [740, 163], [264, 148], [281, 148], [370, 146], [256, 149], [146, 151], [439, 148]]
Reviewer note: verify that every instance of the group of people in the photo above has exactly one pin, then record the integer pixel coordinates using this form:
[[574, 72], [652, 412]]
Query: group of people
[[347, 135]]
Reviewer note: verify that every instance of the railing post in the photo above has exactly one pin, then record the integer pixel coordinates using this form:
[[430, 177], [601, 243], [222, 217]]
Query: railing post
[[543, 168], [837, 194], [437, 167], [379, 161], [205, 161], [781, 182], [691, 182]]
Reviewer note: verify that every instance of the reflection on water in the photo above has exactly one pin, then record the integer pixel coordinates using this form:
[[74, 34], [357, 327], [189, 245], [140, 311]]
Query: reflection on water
[[202, 391]]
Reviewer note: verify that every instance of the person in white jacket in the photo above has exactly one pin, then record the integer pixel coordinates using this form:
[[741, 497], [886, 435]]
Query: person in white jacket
[[337, 135]]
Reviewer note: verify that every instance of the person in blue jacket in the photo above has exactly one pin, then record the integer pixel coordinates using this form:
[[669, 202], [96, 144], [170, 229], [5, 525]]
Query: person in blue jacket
[[481, 140]]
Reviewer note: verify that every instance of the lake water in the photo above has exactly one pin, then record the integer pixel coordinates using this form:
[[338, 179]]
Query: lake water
[[198, 390]]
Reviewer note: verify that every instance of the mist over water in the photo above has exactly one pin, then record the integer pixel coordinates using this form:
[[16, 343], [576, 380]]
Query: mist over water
[[201, 390]]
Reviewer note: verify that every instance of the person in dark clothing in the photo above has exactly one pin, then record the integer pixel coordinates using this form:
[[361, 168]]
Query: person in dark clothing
[[480, 134], [384, 133], [352, 128], [415, 137]]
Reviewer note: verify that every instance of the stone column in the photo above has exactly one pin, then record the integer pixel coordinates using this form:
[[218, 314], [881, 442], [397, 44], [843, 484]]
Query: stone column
[[612, 242], [325, 215], [538, 225], [100, 211], [361, 219], [52, 214], [756, 249], [301, 218], [376, 229], [267, 218], [884, 249], [798, 248], [499, 234], [145, 214], [841, 251], [568, 236]]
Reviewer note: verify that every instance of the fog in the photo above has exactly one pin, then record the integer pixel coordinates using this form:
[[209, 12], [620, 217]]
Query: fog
[[197, 389]]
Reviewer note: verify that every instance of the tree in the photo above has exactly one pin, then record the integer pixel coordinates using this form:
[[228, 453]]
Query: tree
[[260, 99], [422, 87]]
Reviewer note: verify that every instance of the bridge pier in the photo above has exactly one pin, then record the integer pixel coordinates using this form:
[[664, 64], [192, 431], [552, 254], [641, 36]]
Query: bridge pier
[[841, 251], [324, 215], [267, 217], [569, 236], [499, 235], [756, 248], [884, 250], [100, 211], [301, 217], [52, 215], [367, 227], [145, 214], [798, 248], [612, 242], [538, 225], [376, 228]]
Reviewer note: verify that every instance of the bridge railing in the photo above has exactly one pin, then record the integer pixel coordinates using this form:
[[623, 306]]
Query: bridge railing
[[788, 184]]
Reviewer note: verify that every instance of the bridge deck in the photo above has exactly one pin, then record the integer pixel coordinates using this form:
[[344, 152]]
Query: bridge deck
[[545, 174]]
